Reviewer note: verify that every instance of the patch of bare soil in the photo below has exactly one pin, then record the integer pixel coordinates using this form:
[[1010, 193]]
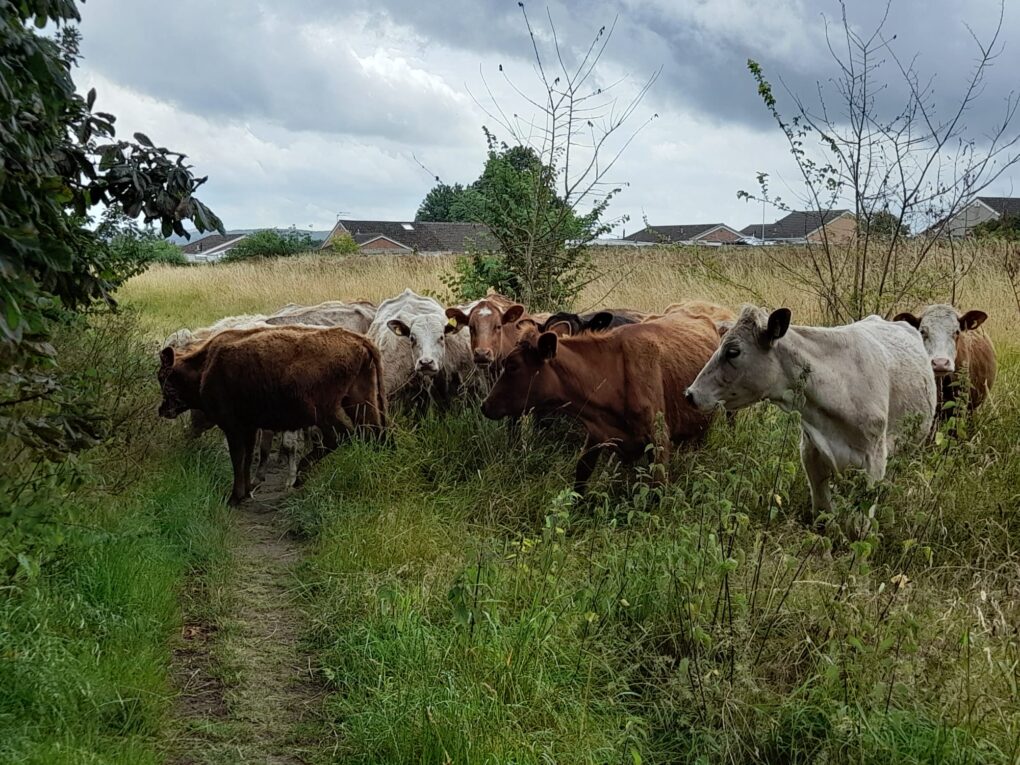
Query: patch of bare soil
[[268, 695]]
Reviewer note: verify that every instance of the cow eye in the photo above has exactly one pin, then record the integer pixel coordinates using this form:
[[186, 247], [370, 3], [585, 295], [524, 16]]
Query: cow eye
[[732, 352], [414, 340]]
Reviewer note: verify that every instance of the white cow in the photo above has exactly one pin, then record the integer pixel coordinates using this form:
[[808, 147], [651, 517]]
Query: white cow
[[421, 351], [857, 387], [357, 317]]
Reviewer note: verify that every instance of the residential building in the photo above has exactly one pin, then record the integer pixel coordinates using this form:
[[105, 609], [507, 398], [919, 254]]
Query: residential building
[[805, 227], [688, 233], [414, 237]]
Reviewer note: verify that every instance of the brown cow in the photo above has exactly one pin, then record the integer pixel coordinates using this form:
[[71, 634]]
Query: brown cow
[[279, 379], [955, 343], [492, 322], [615, 383]]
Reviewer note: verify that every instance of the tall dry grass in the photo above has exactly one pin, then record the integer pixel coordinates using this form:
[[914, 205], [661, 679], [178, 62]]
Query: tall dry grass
[[647, 279]]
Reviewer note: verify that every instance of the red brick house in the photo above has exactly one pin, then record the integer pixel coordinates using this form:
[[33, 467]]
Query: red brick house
[[691, 233]]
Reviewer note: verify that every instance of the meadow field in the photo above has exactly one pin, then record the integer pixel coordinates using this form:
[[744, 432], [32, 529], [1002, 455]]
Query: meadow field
[[449, 601]]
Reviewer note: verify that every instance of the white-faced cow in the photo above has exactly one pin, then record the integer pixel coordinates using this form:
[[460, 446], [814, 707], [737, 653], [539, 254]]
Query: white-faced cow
[[961, 353], [423, 355], [278, 379], [859, 388]]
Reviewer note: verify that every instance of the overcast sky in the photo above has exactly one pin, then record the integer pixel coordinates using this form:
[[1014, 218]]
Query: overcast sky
[[298, 110]]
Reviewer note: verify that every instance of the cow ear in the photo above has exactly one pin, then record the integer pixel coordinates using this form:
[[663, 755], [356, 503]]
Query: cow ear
[[722, 327], [451, 327], [779, 322], [600, 321], [513, 313], [972, 319], [909, 318], [562, 328], [397, 327], [166, 357], [547, 343], [457, 318]]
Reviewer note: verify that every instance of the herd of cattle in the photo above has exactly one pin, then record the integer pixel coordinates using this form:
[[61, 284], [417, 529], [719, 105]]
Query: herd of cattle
[[333, 370]]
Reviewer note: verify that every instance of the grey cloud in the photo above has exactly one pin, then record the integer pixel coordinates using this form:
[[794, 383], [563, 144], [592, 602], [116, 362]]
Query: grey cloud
[[227, 61]]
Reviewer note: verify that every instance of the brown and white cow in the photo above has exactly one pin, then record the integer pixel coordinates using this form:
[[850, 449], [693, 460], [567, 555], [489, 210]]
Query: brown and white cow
[[492, 324], [278, 379], [961, 353], [615, 383]]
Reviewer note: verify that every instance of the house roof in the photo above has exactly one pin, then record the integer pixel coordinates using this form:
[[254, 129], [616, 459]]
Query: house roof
[[211, 242], [795, 225], [674, 233], [422, 237], [1008, 206]]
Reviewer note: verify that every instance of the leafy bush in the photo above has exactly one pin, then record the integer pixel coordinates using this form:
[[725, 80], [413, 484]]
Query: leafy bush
[[1006, 227], [473, 276], [146, 249], [270, 243], [343, 244]]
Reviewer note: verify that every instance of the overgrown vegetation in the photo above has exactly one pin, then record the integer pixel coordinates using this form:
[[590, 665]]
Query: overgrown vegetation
[[873, 138], [1006, 227], [545, 192], [96, 550], [465, 609], [270, 243], [468, 611]]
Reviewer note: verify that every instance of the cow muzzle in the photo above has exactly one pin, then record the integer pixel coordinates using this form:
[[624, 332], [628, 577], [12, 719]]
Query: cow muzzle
[[483, 357], [942, 367], [170, 410], [427, 367]]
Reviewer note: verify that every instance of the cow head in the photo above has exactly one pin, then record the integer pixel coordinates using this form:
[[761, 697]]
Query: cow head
[[527, 381], [173, 383], [427, 337], [940, 327], [493, 331], [567, 324], [743, 368]]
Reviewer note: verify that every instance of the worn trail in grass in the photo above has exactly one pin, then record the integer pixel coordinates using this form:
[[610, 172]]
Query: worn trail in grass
[[249, 694]]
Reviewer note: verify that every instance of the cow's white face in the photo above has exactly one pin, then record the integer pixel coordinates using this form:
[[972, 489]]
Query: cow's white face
[[940, 327], [427, 336], [743, 368]]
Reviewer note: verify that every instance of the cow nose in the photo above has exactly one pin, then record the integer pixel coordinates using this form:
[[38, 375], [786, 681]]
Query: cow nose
[[428, 366], [689, 397], [942, 366], [483, 356]]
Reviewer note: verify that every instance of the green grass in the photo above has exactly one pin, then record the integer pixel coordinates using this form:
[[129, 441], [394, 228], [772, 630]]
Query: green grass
[[108, 544], [86, 643], [467, 610]]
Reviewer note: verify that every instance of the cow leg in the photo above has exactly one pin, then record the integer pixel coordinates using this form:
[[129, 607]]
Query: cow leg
[[332, 434], [265, 451], [289, 451], [241, 444], [586, 464], [818, 474]]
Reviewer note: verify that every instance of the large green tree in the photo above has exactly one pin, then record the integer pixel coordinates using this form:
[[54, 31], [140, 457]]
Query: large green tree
[[60, 160], [61, 163]]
